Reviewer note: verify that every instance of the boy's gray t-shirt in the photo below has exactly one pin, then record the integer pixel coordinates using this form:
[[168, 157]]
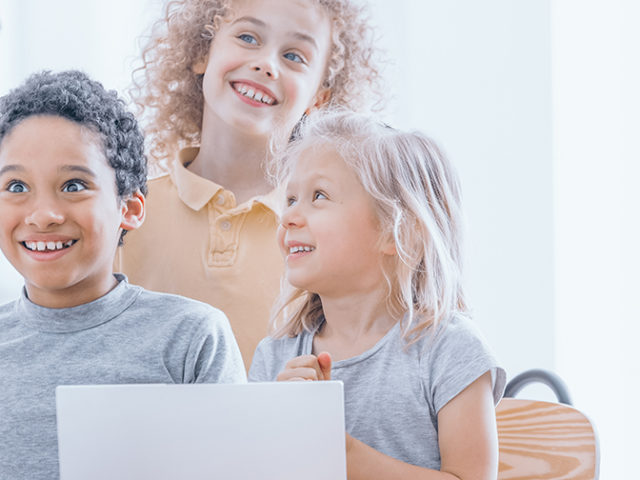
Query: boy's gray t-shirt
[[392, 393], [130, 335]]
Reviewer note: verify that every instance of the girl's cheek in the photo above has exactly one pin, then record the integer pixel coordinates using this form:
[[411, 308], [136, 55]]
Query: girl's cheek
[[280, 238]]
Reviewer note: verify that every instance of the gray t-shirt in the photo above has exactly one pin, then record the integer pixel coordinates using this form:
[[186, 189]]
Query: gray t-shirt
[[393, 393], [130, 335]]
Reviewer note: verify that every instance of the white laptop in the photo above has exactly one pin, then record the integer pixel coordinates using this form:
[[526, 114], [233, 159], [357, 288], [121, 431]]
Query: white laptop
[[266, 431]]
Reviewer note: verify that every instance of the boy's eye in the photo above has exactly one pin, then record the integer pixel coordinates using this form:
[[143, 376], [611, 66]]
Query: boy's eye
[[318, 195], [245, 37], [17, 186], [291, 201], [294, 57], [74, 186]]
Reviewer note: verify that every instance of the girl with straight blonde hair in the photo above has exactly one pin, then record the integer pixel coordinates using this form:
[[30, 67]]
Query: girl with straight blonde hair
[[372, 238]]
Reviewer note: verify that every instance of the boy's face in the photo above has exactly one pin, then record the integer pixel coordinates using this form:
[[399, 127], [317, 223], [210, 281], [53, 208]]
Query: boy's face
[[266, 64], [61, 215]]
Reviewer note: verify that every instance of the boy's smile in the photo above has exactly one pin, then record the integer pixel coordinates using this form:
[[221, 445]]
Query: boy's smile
[[61, 215]]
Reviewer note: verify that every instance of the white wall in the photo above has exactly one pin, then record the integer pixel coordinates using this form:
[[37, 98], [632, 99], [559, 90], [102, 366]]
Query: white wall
[[476, 77], [596, 78]]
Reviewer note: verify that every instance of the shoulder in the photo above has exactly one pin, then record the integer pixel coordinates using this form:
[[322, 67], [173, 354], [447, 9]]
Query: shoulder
[[273, 353], [454, 357], [180, 311], [8, 314]]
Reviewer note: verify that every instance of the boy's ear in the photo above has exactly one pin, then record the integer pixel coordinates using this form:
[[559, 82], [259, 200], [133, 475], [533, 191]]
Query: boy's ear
[[200, 66], [322, 98], [133, 211]]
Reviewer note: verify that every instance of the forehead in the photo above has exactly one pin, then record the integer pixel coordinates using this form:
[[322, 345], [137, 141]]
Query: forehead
[[321, 162], [293, 17], [40, 143]]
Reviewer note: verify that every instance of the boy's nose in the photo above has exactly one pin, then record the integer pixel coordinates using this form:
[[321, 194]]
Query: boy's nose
[[44, 216]]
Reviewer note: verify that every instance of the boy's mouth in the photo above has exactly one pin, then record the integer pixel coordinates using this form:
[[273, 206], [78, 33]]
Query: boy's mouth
[[47, 246], [254, 93]]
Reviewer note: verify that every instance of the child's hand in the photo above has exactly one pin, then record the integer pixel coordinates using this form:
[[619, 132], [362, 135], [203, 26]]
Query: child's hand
[[307, 367]]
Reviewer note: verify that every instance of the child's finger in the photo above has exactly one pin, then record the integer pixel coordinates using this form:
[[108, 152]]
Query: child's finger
[[324, 361], [300, 373], [306, 361]]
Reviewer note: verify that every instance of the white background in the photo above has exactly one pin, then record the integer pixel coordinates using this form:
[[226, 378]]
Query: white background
[[537, 103]]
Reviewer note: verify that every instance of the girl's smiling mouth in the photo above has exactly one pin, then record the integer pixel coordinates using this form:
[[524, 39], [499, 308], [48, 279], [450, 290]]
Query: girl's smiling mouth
[[254, 94]]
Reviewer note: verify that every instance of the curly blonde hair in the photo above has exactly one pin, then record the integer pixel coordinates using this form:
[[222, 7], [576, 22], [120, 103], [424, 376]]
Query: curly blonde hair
[[169, 94], [417, 197]]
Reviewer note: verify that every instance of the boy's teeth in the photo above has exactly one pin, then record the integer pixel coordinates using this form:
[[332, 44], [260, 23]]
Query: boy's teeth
[[51, 246]]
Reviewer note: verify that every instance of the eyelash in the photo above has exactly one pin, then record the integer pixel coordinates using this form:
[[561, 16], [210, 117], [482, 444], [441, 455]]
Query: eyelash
[[13, 183], [245, 36], [75, 181]]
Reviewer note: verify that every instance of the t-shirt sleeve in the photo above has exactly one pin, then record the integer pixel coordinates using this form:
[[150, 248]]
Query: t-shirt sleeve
[[456, 357], [260, 370], [213, 355]]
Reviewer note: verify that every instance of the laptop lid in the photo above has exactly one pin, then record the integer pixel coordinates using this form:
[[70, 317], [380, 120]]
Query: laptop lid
[[280, 430]]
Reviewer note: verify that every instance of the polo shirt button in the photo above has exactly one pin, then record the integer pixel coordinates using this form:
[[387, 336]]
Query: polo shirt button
[[226, 225], [220, 199]]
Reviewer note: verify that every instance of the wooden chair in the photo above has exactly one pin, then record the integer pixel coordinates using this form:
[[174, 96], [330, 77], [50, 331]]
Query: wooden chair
[[543, 440]]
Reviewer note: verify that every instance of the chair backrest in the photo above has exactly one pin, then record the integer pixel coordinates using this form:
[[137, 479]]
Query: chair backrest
[[543, 440]]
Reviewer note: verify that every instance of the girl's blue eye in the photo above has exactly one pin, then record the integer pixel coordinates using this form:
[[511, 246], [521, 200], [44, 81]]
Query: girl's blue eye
[[291, 201], [17, 187], [74, 186], [294, 57], [245, 37], [319, 196]]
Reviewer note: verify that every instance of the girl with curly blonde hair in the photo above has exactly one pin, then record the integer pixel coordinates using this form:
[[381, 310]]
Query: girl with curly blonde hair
[[221, 83]]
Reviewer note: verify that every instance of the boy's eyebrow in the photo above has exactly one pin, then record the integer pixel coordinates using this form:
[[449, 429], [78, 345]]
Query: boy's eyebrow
[[256, 21], [77, 168], [11, 168]]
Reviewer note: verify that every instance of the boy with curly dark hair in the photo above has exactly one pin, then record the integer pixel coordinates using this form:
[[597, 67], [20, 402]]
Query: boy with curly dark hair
[[72, 182]]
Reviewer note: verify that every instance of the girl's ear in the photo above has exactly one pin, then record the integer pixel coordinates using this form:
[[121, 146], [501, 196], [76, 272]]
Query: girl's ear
[[322, 98], [200, 67], [132, 210], [388, 246]]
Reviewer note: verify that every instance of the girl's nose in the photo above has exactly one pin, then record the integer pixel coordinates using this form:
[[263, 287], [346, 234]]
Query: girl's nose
[[292, 217], [266, 66]]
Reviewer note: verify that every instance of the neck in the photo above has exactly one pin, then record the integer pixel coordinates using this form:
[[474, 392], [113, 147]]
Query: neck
[[71, 296], [353, 323], [232, 159]]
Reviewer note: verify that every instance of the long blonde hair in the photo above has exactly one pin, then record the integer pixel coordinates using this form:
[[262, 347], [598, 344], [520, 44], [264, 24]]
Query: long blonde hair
[[416, 194], [169, 94]]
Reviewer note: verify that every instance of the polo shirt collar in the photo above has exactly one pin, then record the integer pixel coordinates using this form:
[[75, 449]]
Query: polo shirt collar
[[196, 191], [193, 190]]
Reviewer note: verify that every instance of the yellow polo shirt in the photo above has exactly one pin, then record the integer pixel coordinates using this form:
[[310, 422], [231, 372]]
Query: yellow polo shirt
[[196, 242]]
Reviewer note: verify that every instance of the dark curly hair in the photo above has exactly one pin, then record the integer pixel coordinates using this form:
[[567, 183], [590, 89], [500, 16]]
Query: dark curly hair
[[74, 96]]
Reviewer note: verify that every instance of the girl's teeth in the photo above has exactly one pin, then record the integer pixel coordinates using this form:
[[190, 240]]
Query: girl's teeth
[[40, 246]]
